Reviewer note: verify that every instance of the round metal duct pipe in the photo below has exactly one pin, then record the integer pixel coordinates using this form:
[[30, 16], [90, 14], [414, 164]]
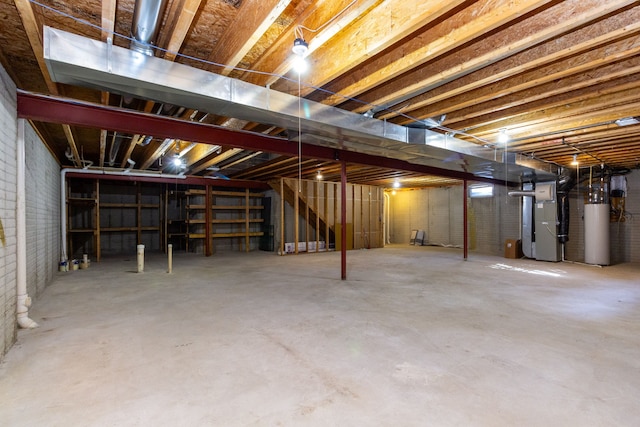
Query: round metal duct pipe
[[147, 17]]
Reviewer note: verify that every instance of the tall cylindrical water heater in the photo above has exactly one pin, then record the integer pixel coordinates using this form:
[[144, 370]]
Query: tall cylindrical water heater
[[596, 233]]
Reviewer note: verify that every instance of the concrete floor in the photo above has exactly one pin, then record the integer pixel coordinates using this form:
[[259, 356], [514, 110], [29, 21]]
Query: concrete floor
[[415, 337]]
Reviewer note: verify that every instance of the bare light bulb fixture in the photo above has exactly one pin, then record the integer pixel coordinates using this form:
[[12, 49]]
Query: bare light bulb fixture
[[574, 162], [319, 176], [300, 49], [503, 136]]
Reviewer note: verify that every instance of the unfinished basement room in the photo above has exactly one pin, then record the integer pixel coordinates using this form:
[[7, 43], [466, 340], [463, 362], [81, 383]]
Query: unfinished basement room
[[319, 213]]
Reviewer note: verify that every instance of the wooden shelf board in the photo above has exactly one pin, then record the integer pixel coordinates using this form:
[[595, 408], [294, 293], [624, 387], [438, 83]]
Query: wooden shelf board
[[251, 234], [236, 221], [244, 207], [235, 194]]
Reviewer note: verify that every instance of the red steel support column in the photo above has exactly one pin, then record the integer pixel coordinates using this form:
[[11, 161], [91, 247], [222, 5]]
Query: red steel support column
[[208, 243], [465, 231], [343, 220]]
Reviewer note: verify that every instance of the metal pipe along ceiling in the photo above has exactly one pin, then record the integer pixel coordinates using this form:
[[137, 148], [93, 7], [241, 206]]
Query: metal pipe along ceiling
[[146, 24], [80, 61]]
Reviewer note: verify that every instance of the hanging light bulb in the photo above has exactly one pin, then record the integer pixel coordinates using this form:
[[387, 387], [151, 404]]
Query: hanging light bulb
[[574, 162], [503, 136], [300, 64], [300, 49], [319, 176]]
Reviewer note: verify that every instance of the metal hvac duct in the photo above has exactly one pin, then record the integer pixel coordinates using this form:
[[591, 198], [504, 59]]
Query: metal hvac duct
[[146, 24], [79, 61]]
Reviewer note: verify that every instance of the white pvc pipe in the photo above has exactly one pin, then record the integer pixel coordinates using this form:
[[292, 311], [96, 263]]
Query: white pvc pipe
[[386, 226], [140, 251], [23, 299], [63, 199], [170, 258]]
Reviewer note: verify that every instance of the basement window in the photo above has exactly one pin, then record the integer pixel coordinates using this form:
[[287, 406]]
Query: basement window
[[481, 190]]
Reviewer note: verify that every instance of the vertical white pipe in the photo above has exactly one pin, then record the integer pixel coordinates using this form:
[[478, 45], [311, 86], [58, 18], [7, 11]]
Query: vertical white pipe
[[170, 255], [23, 299], [140, 250], [386, 226]]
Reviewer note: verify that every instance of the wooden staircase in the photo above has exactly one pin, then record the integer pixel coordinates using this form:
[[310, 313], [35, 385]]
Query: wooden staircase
[[315, 219]]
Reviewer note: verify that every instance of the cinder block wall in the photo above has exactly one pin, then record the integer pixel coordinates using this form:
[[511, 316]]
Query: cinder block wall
[[625, 236], [8, 134], [43, 213], [42, 201], [439, 211]]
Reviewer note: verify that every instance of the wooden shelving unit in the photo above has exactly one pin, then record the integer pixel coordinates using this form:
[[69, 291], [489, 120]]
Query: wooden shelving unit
[[191, 219], [83, 218], [236, 215], [88, 213]]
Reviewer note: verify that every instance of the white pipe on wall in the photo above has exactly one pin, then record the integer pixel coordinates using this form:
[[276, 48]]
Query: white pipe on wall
[[63, 190], [387, 238], [23, 299]]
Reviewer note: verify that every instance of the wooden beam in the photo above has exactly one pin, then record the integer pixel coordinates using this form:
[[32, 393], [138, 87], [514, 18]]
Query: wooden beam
[[72, 143], [181, 29], [467, 25], [132, 145], [217, 159], [594, 61], [384, 25], [487, 50], [253, 20], [582, 41]]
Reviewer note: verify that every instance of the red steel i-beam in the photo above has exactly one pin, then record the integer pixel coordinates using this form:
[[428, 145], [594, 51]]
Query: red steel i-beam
[[77, 113]]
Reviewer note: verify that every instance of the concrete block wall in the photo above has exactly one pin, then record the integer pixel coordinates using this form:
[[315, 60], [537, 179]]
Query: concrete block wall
[[624, 236], [493, 220], [43, 213], [8, 134], [42, 206], [632, 223], [439, 211]]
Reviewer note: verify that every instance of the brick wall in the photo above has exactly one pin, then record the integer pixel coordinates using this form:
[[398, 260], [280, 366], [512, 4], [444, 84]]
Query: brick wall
[[42, 200], [43, 213], [8, 133]]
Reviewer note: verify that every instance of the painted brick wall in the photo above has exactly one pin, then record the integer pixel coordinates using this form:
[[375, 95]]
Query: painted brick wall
[[43, 213], [42, 200], [8, 133]]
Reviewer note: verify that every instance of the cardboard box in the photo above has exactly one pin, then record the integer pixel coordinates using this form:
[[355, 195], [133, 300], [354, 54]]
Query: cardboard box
[[513, 249]]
